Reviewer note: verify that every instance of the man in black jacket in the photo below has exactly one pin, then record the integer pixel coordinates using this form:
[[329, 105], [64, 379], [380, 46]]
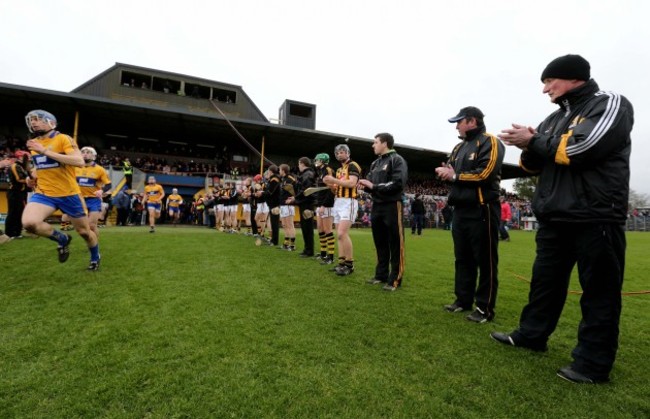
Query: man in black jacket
[[271, 195], [581, 153], [474, 170], [305, 204], [386, 182], [417, 214]]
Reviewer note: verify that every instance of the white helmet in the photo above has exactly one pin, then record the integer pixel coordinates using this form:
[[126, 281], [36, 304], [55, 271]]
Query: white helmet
[[91, 151]]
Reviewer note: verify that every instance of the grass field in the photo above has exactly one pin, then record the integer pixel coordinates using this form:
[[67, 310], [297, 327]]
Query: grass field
[[192, 323]]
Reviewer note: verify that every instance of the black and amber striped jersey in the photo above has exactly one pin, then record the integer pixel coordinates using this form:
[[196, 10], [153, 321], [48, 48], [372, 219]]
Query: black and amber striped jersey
[[288, 183], [222, 196], [348, 169], [247, 194], [17, 176], [233, 196], [272, 191], [324, 198]]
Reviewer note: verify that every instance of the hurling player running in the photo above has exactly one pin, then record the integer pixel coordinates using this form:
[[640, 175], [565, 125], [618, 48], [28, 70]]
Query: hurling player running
[[94, 184], [152, 201], [55, 157], [174, 202]]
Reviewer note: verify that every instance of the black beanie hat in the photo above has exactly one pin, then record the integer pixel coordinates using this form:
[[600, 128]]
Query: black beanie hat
[[568, 67]]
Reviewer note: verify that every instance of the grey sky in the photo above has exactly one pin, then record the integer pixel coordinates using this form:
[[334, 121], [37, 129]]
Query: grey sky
[[369, 66]]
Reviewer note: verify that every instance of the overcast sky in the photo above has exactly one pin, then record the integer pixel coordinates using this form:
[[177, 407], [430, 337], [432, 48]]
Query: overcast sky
[[369, 66]]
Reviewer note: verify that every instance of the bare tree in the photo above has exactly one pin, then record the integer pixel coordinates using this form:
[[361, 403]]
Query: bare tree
[[638, 200], [524, 187]]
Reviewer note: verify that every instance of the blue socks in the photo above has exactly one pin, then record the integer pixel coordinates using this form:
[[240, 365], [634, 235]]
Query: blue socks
[[94, 253], [59, 237]]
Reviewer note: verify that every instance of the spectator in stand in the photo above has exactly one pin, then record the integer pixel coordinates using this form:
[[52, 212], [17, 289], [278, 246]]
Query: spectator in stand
[[417, 215], [506, 216]]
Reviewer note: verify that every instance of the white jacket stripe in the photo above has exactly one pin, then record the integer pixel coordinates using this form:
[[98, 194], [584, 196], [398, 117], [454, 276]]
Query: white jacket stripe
[[603, 125]]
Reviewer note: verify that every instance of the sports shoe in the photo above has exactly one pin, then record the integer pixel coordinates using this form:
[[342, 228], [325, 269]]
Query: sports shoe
[[573, 376], [343, 270], [375, 281], [455, 308], [389, 287], [327, 261], [480, 316], [513, 339], [94, 265], [152, 230], [64, 251]]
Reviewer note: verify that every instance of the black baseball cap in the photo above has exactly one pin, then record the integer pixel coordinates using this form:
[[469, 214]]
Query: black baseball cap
[[467, 112]]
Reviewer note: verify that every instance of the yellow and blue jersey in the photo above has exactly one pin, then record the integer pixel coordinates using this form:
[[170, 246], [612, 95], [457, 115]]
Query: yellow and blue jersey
[[91, 179], [174, 200], [154, 193], [55, 179]]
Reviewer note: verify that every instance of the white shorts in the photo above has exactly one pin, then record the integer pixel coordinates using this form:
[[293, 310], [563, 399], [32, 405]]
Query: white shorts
[[345, 209], [219, 207], [287, 211], [326, 212], [246, 207], [262, 208], [232, 208]]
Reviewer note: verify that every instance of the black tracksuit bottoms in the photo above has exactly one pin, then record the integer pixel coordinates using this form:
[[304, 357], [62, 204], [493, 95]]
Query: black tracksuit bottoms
[[16, 201], [275, 228], [388, 235], [476, 238], [307, 228], [599, 252]]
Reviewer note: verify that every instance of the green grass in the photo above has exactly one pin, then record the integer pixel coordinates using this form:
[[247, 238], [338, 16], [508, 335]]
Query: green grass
[[189, 322]]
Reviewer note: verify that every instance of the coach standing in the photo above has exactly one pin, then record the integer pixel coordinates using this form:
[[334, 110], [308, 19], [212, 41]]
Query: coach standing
[[474, 170], [582, 155], [386, 182]]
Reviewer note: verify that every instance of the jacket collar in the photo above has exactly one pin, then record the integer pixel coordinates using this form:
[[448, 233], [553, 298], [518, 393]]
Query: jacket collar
[[577, 95], [473, 133], [388, 153]]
